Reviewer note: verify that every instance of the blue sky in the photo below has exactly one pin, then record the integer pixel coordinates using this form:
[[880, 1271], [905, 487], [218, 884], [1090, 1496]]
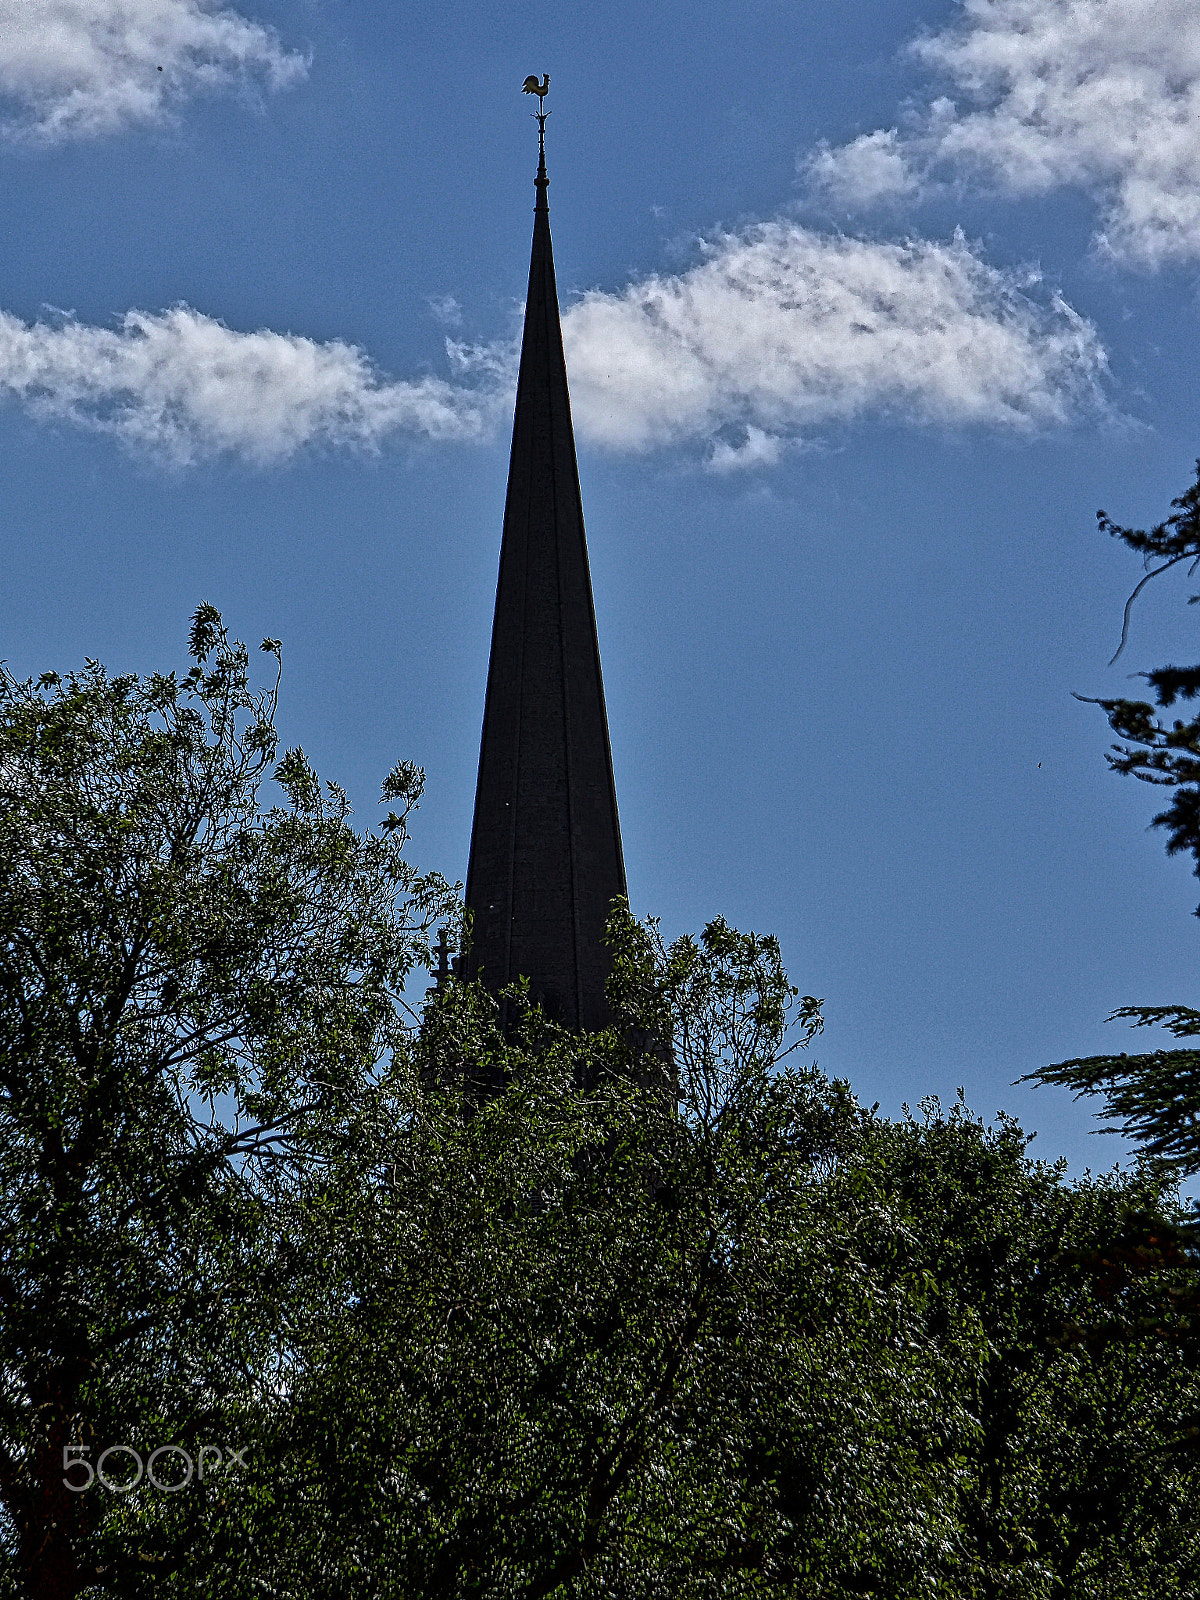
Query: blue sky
[[868, 308]]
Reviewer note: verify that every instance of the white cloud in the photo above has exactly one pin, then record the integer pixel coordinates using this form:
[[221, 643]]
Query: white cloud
[[1103, 95], [444, 308], [756, 449], [871, 168], [776, 332], [180, 386], [779, 330], [80, 68]]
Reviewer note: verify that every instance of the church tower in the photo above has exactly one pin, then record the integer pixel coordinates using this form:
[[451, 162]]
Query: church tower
[[546, 858]]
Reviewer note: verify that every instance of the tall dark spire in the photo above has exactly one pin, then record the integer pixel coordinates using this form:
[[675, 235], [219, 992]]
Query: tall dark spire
[[546, 857]]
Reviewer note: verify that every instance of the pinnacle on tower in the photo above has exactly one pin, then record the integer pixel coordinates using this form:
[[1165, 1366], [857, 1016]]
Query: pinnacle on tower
[[546, 858]]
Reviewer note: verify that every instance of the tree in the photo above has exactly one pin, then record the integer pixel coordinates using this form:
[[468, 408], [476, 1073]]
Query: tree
[[1155, 1098], [566, 1310], [712, 1331], [195, 997], [762, 1344], [1063, 1377]]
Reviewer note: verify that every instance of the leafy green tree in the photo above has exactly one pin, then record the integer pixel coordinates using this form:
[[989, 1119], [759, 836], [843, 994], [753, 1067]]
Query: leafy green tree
[[587, 1343], [195, 995], [1072, 1371], [672, 1316], [763, 1343]]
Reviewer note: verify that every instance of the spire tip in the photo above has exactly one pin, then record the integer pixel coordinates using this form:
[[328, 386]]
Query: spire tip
[[532, 86]]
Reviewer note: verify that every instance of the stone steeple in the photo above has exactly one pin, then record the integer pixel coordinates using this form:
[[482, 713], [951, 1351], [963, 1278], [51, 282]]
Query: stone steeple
[[546, 858]]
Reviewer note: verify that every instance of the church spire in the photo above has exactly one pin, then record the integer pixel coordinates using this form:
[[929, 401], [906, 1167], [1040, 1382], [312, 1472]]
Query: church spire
[[546, 858]]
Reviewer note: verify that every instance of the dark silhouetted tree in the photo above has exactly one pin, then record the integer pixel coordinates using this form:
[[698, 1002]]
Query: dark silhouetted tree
[[196, 994], [1155, 1098], [712, 1334]]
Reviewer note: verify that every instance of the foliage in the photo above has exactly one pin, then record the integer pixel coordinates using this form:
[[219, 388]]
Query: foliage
[[761, 1344], [1077, 1378], [1156, 753], [194, 997], [1152, 1098], [670, 1316], [574, 1314], [1155, 1098]]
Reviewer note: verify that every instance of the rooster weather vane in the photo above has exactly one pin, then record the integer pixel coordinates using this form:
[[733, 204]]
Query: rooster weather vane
[[532, 86]]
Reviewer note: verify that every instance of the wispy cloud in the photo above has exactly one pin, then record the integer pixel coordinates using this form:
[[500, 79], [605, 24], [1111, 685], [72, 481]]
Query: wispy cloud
[[444, 308], [780, 330], [76, 69], [1101, 95], [179, 386], [776, 332]]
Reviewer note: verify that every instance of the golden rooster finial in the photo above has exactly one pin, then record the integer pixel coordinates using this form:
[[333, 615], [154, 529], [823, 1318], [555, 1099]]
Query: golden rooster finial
[[532, 86]]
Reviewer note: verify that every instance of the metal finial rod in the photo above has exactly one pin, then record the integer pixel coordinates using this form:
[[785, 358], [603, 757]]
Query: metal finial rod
[[541, 122]]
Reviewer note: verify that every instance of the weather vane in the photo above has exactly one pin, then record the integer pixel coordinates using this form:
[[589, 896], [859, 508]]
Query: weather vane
[[532, 86]]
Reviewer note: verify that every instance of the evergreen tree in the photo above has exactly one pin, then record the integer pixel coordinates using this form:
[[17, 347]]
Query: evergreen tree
[[1155, 1098]]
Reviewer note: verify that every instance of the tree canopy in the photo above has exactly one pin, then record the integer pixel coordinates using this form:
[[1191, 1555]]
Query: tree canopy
[[195, 997], [673, 1315]]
